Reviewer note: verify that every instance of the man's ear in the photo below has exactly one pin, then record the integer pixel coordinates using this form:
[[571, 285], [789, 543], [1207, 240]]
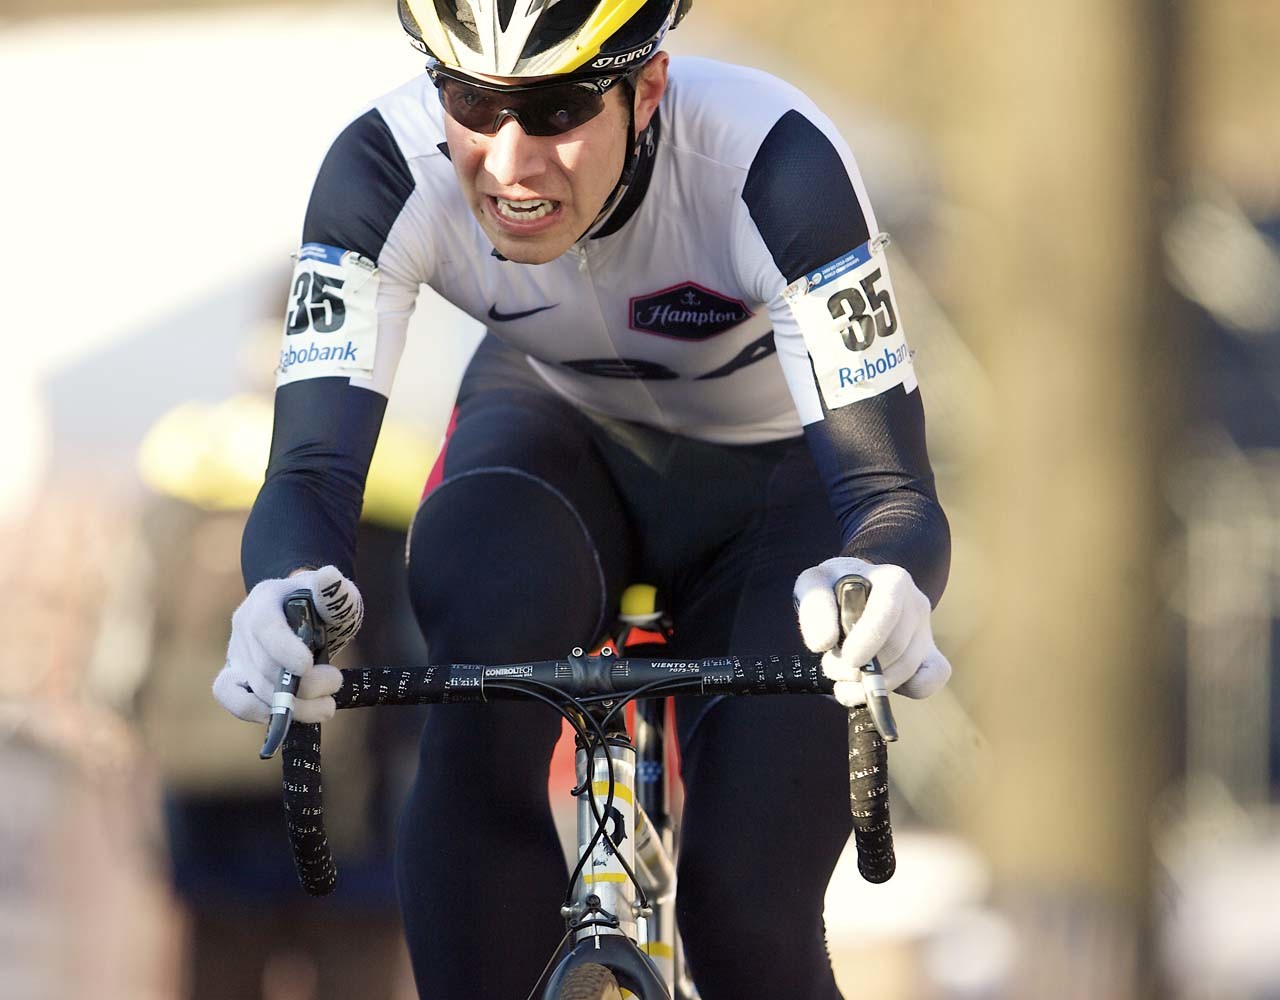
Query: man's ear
[[650, 85]]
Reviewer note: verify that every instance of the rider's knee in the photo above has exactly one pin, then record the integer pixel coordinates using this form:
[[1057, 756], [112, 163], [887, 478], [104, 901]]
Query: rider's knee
[[501, 566]]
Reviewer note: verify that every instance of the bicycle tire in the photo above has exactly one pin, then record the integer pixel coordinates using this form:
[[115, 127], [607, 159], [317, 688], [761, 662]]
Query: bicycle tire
[[589, 982]]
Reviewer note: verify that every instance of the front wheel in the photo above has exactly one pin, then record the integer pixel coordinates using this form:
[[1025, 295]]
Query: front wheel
[[589, 982]]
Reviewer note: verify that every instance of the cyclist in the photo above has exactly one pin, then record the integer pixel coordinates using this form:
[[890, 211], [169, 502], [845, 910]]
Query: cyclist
[[695, 375]]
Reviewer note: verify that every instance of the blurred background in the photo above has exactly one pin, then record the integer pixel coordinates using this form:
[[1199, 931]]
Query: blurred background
[[1085, 206]]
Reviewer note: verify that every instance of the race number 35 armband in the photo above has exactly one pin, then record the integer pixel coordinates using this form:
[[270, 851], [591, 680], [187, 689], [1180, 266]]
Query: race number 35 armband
[[331, 322], [849, 318]]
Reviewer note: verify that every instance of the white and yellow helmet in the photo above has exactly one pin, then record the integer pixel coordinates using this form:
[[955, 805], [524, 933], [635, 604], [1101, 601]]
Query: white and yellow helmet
[[525, 38]]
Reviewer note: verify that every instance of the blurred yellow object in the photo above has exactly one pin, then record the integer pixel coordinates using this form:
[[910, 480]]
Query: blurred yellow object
[[214, 455], [640, 599]]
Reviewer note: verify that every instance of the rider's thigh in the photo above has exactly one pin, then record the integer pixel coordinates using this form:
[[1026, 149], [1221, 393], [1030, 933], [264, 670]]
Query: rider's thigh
[[740, 601]]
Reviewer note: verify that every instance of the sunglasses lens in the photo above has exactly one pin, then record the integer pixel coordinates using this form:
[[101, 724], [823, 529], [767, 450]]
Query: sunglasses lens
[[471, 107], [560, 109], [540, 111]]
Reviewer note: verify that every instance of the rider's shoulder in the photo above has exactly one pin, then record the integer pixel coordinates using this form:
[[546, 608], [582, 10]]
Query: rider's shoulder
[[388, 154], [400, 126], [725, 112]]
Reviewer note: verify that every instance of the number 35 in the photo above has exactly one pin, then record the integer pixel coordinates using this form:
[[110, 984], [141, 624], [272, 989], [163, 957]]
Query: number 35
[[317, 303], [855, 306]]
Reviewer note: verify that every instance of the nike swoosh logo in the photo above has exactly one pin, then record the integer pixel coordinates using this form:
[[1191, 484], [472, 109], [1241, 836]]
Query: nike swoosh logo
[[508, 317]]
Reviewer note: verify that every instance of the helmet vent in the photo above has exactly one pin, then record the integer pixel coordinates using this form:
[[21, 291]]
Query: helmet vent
[[505, 9], [409, 21], [558, 22], [460, 20]]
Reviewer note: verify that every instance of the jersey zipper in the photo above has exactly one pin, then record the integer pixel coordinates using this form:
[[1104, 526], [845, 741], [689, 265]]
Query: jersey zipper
[[579, 250]]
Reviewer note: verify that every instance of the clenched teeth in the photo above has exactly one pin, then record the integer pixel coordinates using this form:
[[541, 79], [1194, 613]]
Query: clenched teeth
[[525, 211]]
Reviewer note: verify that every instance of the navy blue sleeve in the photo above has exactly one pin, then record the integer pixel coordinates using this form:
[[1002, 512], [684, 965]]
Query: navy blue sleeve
[[872, 453], [361, 189], [325, 428], [873, 459], [307, 510]]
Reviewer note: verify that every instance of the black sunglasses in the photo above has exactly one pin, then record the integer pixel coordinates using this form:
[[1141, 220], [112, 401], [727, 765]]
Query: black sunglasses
[[548, 107]]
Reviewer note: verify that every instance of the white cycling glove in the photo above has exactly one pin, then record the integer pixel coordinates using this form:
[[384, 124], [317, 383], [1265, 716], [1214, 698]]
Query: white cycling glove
[[894, 626], [262, 642]]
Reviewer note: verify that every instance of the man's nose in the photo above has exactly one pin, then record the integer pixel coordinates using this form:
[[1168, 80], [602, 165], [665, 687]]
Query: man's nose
[[513, 156]]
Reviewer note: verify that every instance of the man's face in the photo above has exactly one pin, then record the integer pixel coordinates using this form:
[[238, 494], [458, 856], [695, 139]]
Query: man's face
[[534, 196]]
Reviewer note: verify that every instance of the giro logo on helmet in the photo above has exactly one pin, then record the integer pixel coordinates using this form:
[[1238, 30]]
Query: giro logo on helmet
[[626, 59]]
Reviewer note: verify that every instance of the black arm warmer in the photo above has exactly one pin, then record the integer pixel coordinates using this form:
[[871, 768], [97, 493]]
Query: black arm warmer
[[307, 511], [873, 459]]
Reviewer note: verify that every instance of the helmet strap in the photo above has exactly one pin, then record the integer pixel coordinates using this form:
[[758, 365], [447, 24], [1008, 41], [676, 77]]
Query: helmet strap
[[629, 164], [633, 141]]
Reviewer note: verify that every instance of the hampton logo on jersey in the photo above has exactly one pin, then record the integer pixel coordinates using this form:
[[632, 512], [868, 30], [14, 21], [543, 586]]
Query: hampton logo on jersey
[[849, 318], [331, 325], [686, 312]]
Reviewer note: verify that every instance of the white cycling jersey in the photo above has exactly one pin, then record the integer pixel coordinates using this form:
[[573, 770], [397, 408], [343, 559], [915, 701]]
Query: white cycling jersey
[[670, 312], [737, 292]]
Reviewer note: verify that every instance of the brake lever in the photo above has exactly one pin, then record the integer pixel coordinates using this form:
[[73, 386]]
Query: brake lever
[[851, 596], [300, 612]]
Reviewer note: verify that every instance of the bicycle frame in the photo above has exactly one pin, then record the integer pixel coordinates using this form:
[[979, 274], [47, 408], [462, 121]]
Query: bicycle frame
[[612, 926], [653, 793]]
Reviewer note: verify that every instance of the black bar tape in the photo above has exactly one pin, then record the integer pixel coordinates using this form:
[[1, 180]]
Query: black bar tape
[[304, 810], [394, 686], [447, 683], [869, 797], [790, 674]]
